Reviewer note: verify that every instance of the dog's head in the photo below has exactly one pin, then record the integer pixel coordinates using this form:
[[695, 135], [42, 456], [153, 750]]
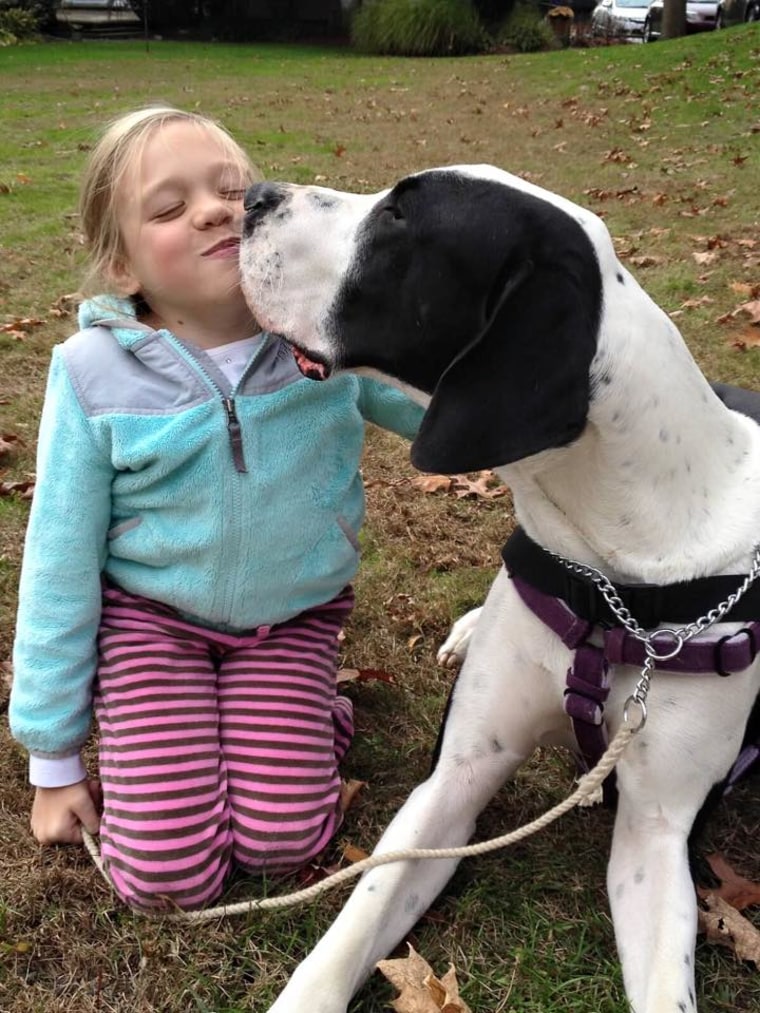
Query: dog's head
[[467, 284]]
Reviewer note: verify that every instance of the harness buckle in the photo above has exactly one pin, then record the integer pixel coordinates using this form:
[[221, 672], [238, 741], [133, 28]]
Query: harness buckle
[[726, 663]]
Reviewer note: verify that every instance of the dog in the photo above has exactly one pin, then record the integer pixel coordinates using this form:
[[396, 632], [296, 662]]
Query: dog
[[504, 310]]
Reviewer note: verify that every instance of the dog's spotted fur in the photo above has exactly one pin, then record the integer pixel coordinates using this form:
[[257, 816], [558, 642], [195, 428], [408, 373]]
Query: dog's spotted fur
[[504, 308]]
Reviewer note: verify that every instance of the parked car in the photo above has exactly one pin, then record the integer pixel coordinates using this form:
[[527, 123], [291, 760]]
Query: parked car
[[621, 19], [78, 14], [701, 16], [737, 12]]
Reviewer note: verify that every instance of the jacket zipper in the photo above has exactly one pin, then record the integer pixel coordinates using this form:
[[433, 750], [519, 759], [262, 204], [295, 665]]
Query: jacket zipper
[[236, 437], [228, 403]]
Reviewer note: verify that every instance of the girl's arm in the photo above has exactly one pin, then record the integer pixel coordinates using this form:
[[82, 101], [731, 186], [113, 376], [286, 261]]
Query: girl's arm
[[389, 408], [59, 593]]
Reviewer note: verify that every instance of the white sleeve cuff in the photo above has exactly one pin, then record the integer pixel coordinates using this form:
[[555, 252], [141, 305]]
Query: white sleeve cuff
[[56, 772]]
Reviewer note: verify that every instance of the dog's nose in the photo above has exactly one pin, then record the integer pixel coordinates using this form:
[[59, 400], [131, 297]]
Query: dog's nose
[[263, 197]]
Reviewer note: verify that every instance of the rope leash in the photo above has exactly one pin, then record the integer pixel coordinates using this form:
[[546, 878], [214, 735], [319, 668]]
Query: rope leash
[[588, 786]]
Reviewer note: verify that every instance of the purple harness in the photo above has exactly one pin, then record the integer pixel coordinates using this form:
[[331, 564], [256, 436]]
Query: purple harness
[[588, 678]]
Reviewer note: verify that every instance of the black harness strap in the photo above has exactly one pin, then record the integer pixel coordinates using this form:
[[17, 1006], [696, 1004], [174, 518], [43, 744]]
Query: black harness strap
[[650, 604]]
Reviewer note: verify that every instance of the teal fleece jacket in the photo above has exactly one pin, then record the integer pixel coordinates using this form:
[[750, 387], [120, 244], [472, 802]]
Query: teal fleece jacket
[[238, 507]]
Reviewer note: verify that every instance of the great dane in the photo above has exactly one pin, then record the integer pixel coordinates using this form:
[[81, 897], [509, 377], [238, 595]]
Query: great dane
[[504, 309]]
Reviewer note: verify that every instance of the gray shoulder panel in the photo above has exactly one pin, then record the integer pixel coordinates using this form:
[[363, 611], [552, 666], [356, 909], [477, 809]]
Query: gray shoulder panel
[[151, 378], [274, 368]]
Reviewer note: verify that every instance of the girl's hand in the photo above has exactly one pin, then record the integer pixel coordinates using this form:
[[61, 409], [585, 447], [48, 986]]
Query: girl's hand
[[58, 814]]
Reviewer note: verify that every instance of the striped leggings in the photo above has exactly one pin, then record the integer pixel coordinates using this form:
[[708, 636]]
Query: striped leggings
[[215, 749]]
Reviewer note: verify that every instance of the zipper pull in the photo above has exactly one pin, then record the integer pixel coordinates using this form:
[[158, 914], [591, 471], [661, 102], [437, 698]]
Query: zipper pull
[[236, 437]]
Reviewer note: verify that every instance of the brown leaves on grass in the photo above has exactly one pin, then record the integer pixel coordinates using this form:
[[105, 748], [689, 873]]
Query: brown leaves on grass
[[8, 443], [719, 911], [485, 485], [364, 675], [24, 489], [748, 314], [420, 991], [19, 327]]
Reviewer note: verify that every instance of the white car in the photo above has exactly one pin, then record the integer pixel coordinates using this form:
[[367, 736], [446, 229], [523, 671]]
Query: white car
[[701, 16], [619, 19]]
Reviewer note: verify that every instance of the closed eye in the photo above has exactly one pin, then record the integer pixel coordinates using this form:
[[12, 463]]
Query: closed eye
[[237, 194], [173, 211]]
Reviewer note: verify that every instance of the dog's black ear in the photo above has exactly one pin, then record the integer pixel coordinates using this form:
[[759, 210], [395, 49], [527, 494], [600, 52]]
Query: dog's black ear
[[522, 385]]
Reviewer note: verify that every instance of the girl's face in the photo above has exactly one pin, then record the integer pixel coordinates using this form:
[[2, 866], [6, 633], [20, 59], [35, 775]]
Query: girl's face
[[180, 213]]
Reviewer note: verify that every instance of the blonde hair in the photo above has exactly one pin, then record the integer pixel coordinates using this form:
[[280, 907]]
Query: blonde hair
[[119, 149]]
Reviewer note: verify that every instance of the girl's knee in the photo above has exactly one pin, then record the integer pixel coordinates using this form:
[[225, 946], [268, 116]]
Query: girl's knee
[[286, 845], [170, 875]]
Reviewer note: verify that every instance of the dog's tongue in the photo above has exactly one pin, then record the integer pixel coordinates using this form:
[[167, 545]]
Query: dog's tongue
[[311, 370]]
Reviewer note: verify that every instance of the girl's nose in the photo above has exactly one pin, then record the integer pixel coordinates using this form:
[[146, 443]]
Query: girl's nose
[[214, 210]]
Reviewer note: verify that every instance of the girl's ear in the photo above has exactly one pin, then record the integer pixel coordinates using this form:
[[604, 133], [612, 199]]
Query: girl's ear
[[121, 277]]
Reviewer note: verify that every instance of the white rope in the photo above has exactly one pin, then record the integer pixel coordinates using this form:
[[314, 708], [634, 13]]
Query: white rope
[[588, 786]]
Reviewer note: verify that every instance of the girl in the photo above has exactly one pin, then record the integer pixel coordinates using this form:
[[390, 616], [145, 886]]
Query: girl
[[191, 542]]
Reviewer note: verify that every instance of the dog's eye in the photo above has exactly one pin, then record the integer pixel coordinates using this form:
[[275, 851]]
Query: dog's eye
[[392, 213]]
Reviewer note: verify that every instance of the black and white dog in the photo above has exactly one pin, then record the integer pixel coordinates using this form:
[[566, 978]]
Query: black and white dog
[[504, 309]]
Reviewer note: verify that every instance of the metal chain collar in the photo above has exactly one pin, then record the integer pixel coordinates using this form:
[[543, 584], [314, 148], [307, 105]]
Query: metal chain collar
[[677, 638]]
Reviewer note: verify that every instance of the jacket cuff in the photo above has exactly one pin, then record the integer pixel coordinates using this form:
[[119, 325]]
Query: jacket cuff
[[56, 771]]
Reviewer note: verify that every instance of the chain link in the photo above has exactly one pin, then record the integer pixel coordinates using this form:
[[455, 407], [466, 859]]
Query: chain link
[[677, 638]]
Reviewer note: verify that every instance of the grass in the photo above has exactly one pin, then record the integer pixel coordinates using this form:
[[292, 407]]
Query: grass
[[662, 141]]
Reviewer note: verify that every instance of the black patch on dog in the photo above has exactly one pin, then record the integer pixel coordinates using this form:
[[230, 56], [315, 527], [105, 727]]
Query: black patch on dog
[[486, 297]]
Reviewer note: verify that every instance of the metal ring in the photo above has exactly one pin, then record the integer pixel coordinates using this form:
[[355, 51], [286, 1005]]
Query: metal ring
[[642, 708], [651, 650]]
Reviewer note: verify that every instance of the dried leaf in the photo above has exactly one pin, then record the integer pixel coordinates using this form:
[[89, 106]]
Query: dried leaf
[[734, 889], [419, 989], [364, 675], [433, 483], [349, 792], [24, 489], [723, 925], [353, 854], [748, 338], [752, 310], [8, 442]]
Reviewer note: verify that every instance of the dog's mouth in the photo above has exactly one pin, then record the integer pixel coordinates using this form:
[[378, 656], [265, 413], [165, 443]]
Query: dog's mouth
[[312, 369]]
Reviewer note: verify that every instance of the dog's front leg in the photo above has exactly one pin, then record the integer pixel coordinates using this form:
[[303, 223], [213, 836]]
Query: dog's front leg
[[490, 730], [690, 739]]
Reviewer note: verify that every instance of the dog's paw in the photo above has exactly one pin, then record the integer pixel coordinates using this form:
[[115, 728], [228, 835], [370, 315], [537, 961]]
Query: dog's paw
[[454, 648]]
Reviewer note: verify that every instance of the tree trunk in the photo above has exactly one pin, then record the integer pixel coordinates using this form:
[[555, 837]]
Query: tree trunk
[[674, 19]]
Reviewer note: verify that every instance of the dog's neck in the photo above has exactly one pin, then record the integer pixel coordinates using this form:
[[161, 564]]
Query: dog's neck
[[660, 486]]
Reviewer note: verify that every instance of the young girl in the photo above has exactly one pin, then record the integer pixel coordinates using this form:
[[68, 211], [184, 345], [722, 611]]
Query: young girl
[[191, 542]]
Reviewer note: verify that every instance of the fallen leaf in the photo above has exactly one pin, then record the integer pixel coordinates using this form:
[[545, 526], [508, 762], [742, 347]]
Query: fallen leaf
[[353, 854], [364, 675], [349, 792], [734, 889], [723, 925], [748, 338], [752, 310], [708, 257], [8, 442], [23, 489], [433, 483], [419, 989]]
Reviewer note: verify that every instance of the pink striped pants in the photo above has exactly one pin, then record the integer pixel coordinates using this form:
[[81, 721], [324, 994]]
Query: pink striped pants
[[215, 748]]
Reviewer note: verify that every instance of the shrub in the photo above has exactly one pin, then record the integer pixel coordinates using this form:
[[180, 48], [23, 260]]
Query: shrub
[[418, 27], [16, 24], [525, 30]]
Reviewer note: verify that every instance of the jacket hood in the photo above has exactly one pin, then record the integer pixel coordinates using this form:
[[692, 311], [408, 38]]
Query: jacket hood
[[115, 313]]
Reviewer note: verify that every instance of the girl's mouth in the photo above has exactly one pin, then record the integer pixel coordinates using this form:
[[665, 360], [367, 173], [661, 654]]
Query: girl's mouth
[[229, 247]]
